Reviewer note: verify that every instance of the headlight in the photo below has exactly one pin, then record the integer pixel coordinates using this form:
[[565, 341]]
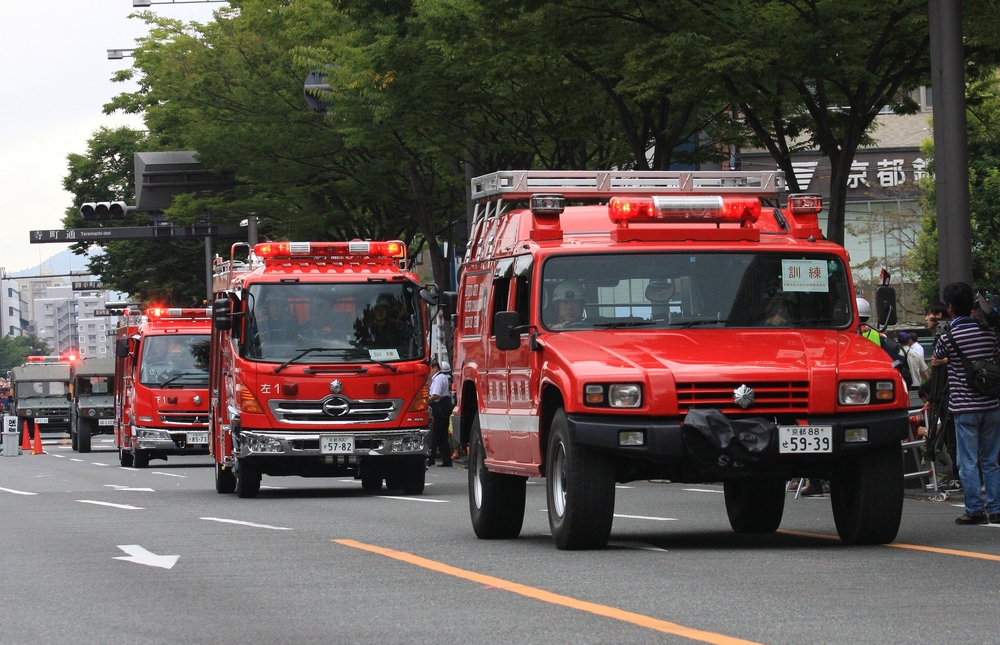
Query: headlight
[[91, 412], [615, 395], [854, 393], [261, 443], [145, 433], [28, 413]]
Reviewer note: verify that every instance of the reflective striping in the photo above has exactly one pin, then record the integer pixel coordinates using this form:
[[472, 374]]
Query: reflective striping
[[508, 422], [17, 492], [911, 547], [242, 523], [555, 599]]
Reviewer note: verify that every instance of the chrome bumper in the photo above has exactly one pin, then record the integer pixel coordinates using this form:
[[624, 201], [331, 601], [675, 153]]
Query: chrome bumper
[[413, 441], [164, 440]]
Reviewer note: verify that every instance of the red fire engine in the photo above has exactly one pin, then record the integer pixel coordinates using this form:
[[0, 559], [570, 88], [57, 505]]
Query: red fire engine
[[615, 326], [161, 384], [319, 366]]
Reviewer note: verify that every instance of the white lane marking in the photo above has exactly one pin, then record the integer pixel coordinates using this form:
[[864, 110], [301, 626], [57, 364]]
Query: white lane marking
[[416, 499], [17, 492], [156, 472], [642, 546], [60, 456], [97, 463], [117, 487], [702, 490], [242, 523], [262, 486], [125, 506], [135, 470], [646, 517], [619, 486], [71, 459], [140, 555]]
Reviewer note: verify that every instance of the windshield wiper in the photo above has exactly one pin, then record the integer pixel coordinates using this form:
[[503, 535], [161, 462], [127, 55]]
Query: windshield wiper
[[303, 352], [625, 323], [181, 375], [700, 321]]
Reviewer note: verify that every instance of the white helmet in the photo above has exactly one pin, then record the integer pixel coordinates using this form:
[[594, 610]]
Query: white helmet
[[568, 290], [445, 366], [864, 309]]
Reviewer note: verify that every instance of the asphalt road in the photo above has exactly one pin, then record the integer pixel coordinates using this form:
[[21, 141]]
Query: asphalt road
[[320, 561]]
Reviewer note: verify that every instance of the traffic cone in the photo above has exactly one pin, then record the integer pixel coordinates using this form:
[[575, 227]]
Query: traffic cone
[[38, 442], [26, 439]]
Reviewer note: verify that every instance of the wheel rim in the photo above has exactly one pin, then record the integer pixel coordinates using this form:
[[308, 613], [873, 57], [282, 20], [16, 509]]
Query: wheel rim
[[559, 481], [477, 481]]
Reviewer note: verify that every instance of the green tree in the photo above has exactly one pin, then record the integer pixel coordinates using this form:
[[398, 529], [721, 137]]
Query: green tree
[[15, 349]]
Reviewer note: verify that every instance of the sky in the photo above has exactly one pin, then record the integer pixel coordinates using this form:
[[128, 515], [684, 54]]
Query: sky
[[55, 78]]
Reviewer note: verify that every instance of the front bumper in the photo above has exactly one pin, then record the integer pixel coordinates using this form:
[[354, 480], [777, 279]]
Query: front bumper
[[168, 442], [663, 441], [369, 443]]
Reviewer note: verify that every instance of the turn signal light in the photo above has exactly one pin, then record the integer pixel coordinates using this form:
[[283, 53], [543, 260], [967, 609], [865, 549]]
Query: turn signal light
[[420, 400], [247, 401]]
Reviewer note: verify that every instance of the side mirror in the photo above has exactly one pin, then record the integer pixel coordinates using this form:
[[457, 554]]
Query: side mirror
[[885, 306], [507, 329], [121, 347], [428, 296], [221, 317], [448, 301]]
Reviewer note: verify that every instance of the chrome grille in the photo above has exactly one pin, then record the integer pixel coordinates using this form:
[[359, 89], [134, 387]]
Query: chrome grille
[[184, 418], [358, 411], [770, 397]]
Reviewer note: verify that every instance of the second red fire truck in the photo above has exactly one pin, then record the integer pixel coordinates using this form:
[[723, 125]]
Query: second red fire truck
[[319, 366], [161, 384]]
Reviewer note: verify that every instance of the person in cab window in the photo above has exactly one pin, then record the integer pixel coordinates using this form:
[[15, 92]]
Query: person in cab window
[[154, 363], [275, 322], [777, 307], [386, 329], [568, 301]]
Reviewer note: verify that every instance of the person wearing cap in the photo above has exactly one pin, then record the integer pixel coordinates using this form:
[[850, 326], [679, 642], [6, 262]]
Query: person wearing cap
[[440, 404], [914, 360], [568, 301], [911, 342]]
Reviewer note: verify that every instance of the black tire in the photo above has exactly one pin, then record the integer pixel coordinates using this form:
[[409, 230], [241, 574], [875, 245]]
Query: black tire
[[412, 477], [225, 481], [867, 496], [140, 459], [72, 434], [83, 433], [496, 502], [247, 479], [371, 482], [580, 489], [124, 458], [754, 505]]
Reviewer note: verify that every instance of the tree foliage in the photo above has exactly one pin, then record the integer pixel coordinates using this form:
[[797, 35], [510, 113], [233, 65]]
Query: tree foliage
[[15, 349]]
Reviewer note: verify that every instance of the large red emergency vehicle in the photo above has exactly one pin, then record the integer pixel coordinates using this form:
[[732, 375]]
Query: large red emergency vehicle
[[161, 384], [319, 366], [614, 326]]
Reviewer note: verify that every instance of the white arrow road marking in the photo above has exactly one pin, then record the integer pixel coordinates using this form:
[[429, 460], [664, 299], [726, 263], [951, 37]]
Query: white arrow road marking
[[117, 487], [16, 492], [156, 472], [645, 517], [125, 506], [636, 545], [416, 499], [702, 490], [242, 523], [140, 555]]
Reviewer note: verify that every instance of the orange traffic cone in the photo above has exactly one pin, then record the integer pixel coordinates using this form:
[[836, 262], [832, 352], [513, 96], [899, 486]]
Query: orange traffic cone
[[38, 442], [26, 439]]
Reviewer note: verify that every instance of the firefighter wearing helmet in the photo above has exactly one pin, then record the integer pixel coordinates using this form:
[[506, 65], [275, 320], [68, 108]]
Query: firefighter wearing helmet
[[568, 301]]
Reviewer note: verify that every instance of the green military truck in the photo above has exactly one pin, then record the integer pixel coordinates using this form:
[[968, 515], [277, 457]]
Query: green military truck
[[40, 393], [93, 397]]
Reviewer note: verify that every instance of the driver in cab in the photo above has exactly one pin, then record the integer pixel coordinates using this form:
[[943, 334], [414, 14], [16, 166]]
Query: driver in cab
[[568, 302]]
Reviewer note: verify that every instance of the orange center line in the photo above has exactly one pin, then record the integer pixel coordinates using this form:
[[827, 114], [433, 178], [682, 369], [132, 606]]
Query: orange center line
[[912, 547], [553, 598]]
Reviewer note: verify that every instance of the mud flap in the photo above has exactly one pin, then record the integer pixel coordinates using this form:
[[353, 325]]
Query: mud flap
[[728, 447]]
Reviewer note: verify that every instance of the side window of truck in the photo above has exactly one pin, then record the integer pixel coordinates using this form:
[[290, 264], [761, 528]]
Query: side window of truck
[[522, 285], [502, 278]]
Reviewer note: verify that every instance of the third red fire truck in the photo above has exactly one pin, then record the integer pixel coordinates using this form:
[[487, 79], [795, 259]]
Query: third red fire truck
[[319, 366], [161, 384]]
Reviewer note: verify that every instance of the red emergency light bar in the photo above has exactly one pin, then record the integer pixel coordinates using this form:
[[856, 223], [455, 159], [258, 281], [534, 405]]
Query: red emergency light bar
[[50, 359], [689, 209], [178, 312], [355, 248]]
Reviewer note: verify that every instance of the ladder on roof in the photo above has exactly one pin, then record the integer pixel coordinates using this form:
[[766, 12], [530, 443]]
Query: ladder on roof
[[521, 184]]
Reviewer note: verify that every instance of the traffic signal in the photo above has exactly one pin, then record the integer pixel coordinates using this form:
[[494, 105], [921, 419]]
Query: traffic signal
[[103, 210]]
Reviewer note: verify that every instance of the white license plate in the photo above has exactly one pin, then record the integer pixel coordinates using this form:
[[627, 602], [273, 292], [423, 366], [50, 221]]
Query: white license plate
[[105, 422], [197, 437], [336, 444], [42, 420], [805, 439]]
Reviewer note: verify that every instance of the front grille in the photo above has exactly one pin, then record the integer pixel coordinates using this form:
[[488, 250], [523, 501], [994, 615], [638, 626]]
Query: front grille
[[184, 418], [770, 398], [51, 412], [357, 411]]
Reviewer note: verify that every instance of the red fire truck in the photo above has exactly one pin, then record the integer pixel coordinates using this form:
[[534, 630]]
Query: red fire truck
[[161, 384], [319, 366], [615, 326]]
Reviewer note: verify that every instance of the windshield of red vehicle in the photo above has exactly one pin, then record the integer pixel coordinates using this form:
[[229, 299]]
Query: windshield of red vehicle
[[687, 290], [334, 323], [174, 360]]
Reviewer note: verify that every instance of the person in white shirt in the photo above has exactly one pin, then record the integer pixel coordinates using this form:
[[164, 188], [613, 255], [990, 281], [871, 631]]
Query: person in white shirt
[[910, 340], [914, 359], [440, 404]]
